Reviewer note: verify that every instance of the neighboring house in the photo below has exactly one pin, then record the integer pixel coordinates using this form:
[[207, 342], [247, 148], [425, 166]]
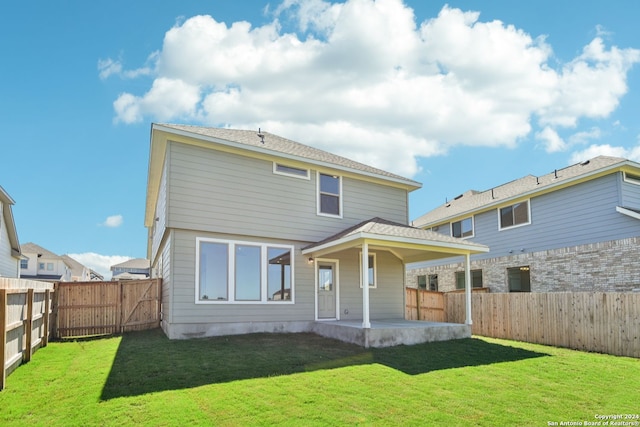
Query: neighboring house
[[40, 264], [252, 232], [133, 269], [9, 246], [80, 273], [574, 229]]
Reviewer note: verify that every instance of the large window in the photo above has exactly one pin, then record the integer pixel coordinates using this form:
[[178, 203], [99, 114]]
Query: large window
[[329, 195], [476, 279], [463, 228], [514, 215], [242, 272], [372, 270], [519, 279]]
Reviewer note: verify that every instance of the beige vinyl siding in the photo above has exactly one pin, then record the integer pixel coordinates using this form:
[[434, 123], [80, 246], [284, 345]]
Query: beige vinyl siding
[[222, 192], [185, 310], [160, 213], [165, 266], [386, 301]]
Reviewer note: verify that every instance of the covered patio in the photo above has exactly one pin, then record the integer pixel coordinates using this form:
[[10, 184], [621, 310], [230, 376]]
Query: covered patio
[[408, 244]]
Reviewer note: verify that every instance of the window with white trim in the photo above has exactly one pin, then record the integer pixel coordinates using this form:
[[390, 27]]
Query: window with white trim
[[462, 228], [24, 264], [514, 215], [243, 272], [632, 178], [372, 274], [329, 195], [282, 169]]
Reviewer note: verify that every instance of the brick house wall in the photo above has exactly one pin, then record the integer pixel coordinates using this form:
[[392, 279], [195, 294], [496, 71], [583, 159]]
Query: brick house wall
[[612, 266]]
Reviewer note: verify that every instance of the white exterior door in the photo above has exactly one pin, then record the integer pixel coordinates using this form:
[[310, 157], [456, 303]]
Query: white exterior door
[[326, 290]]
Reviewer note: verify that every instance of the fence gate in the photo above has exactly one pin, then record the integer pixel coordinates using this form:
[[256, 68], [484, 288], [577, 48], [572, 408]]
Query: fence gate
[[103, 308]]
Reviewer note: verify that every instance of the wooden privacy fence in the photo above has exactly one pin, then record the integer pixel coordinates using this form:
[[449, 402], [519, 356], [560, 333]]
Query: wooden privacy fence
[[604, 322], [102, 308], [24, 322], [430, 305]]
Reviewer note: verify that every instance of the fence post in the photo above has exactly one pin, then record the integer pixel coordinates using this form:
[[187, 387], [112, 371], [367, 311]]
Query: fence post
[[418, 302], [3, 336], [29, 326], [54, 311], [45, 321]]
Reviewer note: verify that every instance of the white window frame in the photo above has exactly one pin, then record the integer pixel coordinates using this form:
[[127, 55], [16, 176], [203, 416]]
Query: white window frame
[[634, 179], [231, 276], [318, 173], [375, 269], [26, 265], [500, 227], [292, 175], [473, 228]]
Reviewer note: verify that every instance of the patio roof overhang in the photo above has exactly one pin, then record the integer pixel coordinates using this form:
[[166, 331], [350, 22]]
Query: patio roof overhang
[[409, 244]]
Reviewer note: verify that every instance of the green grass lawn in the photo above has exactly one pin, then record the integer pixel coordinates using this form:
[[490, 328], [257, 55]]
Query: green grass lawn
[[303, 379]]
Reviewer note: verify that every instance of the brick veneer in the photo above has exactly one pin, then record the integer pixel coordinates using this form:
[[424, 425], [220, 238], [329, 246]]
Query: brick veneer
[[612, 266]]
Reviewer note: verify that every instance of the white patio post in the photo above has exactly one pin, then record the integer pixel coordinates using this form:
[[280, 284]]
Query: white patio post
[[365, 286], [467, 289]]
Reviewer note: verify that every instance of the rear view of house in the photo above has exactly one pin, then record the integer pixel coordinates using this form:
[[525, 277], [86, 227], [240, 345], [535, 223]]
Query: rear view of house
[[252, 232]]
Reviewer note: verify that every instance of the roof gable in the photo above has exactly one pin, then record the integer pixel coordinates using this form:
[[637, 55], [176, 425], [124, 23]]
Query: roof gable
[[472, 201]]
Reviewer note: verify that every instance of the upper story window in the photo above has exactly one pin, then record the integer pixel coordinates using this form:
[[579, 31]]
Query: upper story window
[[329, 195], [463, 228], [515, 215], [632, 178], [24, 264], [281, 169]]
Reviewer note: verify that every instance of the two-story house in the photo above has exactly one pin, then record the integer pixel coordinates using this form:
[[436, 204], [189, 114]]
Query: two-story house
[[9, 246], [43, 265], [252, 232], [135, 268], [79, 272], [573, 229]]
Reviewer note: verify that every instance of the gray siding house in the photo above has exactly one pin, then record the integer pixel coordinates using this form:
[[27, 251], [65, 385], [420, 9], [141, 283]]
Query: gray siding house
[[9, 246], [574, 229], [252, 232]]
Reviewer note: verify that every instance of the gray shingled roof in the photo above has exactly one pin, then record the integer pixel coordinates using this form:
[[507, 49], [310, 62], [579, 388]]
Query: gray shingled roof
[[387, 228], [472, 200], [37, 249], [282, 145], [139, 263]]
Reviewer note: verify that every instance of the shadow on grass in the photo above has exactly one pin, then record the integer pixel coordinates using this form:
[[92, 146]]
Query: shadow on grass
[[149, 362]]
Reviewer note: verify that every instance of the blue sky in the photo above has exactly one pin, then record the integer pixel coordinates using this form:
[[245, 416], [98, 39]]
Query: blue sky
[[458, 95]]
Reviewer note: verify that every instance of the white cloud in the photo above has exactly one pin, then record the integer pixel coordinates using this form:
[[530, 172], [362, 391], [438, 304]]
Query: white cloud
[[113, 221], [100, 263], [551, 140], [108, 67], [606, 150], [363, 78]]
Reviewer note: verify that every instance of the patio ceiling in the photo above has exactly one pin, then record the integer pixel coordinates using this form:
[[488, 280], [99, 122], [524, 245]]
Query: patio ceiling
[[410, 244]]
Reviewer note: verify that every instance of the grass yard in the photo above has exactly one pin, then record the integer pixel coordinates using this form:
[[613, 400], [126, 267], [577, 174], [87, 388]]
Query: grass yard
[[302, 379]]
